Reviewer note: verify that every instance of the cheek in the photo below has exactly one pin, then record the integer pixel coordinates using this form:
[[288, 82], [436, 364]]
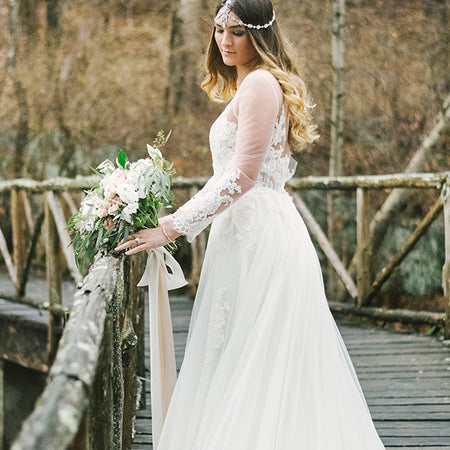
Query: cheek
[[218, 39], [248, 49]]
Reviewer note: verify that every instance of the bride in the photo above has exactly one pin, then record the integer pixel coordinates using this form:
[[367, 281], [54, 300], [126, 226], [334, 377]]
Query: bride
[[265, 367]]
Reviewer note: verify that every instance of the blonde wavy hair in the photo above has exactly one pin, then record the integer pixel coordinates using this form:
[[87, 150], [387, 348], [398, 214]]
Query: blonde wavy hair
[[221, 80]]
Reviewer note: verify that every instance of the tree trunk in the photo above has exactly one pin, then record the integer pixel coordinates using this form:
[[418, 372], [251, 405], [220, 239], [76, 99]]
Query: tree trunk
[[337, 128], [54, 9], [11, 68], [183, 90], [28, 16], [59, 100]]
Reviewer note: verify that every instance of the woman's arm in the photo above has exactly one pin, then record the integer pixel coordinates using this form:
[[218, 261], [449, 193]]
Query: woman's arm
[[257, 108]]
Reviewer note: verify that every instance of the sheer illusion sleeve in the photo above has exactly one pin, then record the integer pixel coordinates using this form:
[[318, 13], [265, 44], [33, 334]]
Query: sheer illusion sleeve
[[256, 108]]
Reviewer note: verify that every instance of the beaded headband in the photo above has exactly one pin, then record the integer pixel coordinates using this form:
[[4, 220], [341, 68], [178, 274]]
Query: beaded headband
[[226, 14]]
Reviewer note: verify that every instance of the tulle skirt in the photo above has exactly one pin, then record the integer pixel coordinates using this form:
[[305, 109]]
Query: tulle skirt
[[265, 366]]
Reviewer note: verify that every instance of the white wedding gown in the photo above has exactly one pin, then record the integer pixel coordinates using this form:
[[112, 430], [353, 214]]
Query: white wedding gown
[[265, 367]]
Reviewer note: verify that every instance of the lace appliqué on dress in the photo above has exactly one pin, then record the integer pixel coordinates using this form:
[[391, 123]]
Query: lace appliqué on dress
[[220, 310], [243, 222], [277, 168], [223, 141]]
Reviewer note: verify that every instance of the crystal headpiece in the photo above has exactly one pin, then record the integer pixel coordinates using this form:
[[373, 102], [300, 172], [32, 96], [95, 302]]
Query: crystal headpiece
[[226, 14]]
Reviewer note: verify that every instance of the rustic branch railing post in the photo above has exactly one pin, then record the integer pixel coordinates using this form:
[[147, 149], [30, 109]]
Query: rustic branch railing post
[[54, 275], [363, 243], [19, 240], [395, 261], [27, 211], [61, 228], [115, 309], [7, 258], [446, 269], [319, 235]]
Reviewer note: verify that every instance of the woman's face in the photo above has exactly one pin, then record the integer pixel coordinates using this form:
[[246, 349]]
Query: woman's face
[[233, 42]]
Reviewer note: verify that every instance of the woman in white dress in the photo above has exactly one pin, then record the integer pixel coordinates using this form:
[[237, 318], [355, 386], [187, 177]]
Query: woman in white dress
[[265, 367]]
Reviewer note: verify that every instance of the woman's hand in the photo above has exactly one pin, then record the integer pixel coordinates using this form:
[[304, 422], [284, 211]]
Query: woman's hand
[[143, 240], [150, 238]]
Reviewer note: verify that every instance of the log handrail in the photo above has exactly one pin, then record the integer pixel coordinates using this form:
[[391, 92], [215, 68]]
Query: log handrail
[[58, 414], [375, 182], [388, 181]]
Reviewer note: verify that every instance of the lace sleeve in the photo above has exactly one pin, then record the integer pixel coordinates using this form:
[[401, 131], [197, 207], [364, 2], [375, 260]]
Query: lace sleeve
[[257, 107]]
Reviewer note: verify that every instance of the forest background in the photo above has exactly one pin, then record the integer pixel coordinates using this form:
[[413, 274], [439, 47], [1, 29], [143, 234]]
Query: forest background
[[84, 79]]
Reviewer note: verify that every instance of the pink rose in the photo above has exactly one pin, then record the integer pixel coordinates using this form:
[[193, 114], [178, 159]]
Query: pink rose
[[114, 206], [102, 212]]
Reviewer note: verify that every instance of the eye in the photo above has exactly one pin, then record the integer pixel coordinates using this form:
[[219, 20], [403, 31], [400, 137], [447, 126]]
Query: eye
[[238, 33], [218, 30]]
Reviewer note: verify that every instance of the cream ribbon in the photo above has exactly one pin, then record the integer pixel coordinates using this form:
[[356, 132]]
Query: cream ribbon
[[163, 370]]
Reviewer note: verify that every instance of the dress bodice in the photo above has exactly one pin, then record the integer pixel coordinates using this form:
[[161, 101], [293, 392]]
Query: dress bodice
[[278, 165], [249, 150]]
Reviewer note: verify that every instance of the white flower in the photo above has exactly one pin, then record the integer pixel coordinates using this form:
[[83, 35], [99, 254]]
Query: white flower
[[88, 204], [128, 211], [128, 193], [87, 225], [137, 180], [113, 181], [141, 165]]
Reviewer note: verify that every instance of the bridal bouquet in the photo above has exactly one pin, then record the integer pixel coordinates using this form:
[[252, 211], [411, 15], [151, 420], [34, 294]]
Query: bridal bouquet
[[126, 200]]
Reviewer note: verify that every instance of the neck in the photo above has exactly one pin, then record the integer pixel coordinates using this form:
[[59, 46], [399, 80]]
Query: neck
[[243, 71]]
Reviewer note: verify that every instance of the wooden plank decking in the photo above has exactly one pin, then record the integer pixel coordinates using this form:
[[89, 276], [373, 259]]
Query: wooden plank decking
[[405, 378]]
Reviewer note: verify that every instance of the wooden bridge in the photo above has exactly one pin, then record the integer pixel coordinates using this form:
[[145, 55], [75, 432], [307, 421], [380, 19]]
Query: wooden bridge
[[97, 375], [405, 377]]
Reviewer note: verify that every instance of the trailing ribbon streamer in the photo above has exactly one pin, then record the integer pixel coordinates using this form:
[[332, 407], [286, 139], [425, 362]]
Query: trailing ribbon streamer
[[163, 371]]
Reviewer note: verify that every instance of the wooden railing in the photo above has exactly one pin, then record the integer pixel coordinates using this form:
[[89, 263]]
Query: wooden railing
[[364, 291], [356, 278], [91, 394]]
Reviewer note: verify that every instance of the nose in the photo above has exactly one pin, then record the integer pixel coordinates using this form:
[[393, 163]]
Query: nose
[[227, 39]]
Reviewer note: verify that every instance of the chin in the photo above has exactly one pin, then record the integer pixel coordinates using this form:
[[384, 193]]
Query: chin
[[227, 62]]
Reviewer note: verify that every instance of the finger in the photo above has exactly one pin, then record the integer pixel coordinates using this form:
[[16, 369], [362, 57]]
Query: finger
[[136, 249], [124, 245]]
